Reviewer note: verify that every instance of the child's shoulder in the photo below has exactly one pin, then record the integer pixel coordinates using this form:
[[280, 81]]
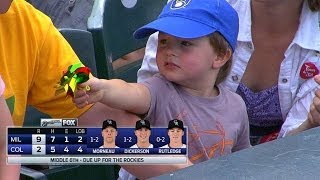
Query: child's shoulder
[[30, 18], [232, 96], [158, 84], [234, 102], [157, 80]]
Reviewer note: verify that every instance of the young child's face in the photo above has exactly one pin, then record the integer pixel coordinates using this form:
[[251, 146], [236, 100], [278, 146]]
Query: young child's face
[[184, 60]]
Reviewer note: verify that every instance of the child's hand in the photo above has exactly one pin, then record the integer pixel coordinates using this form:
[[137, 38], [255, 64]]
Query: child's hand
[[88, 92]]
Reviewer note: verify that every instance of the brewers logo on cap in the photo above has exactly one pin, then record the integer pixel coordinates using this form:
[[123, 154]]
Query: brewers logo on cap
[[177, 4]]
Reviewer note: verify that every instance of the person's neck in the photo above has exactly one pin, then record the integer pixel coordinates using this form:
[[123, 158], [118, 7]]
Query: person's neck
[[275, 17], [108, 145], [203, 87], [143, 144], [175, 145], [208, 92]]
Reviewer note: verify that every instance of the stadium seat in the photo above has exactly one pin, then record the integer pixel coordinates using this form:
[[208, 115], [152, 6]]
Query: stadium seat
[[82, 43], [112, 24]]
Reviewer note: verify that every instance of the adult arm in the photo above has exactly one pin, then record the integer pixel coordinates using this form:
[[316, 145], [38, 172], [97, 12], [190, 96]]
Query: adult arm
[[305, 113], [6, 171]]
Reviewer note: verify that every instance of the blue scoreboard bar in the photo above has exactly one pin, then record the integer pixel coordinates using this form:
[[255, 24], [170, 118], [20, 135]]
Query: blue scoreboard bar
[[84, 141]]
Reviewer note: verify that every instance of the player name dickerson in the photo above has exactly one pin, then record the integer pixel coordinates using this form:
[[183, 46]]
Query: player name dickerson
[[137, 151]]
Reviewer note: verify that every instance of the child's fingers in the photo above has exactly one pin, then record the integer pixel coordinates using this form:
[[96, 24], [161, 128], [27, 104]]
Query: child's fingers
[[88, 83], [82, 105], [79, 93], [83, 85], [80, 99], [94, 97]]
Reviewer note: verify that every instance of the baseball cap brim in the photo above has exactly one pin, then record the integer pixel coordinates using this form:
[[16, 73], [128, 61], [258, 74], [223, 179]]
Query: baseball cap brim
[[175, 26]]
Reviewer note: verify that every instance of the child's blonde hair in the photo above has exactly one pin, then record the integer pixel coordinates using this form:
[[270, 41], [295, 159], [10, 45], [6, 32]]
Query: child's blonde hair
[[221, 47]]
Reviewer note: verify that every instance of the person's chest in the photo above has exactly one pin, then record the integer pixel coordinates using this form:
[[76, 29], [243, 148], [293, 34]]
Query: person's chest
[[263, 67]]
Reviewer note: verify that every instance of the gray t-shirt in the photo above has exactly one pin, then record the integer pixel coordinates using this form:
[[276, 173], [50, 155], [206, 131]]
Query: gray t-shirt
[[216, 125]]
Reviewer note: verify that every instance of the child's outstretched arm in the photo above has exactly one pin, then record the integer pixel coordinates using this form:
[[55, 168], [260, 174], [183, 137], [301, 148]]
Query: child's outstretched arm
[[133, 97]]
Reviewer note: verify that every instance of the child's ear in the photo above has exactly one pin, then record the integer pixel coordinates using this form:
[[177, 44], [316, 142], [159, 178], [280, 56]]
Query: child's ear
[[221, 59]]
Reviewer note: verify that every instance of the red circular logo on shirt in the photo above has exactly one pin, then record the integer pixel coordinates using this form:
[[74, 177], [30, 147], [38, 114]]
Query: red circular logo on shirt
[[308, 70]]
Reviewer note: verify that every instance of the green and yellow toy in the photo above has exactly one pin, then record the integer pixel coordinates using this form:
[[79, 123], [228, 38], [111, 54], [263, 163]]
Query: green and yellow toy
[[75, 74]]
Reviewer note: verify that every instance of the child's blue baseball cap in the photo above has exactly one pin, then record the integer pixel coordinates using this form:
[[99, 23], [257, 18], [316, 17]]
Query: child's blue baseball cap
[[194, 19]]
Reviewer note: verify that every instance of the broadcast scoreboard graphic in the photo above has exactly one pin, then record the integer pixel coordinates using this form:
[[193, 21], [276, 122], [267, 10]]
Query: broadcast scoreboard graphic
[[61, 141]]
